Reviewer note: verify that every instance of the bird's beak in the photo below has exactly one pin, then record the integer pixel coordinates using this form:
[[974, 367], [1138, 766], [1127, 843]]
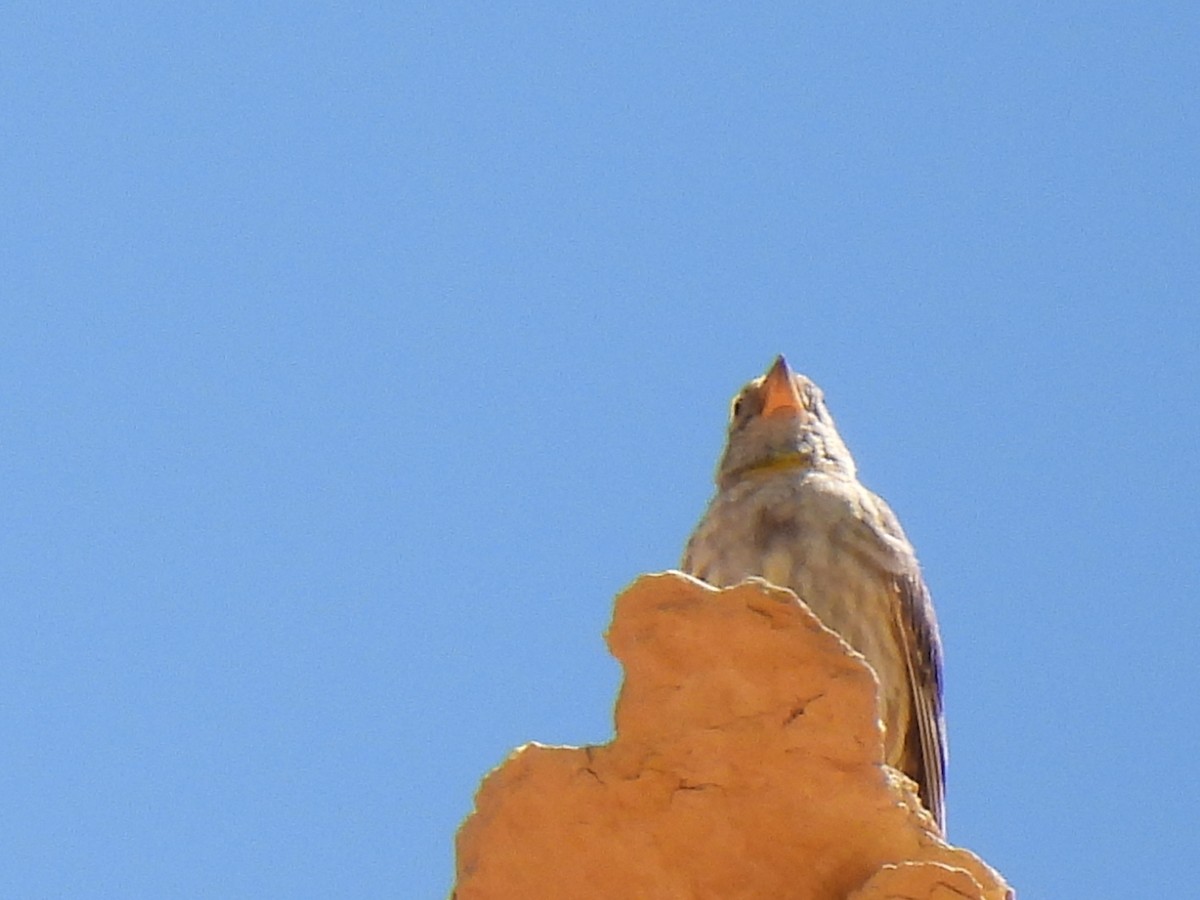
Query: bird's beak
[[780, 394]]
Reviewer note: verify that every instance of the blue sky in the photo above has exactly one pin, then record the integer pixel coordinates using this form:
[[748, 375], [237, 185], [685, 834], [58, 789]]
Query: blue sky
[[355, 359]]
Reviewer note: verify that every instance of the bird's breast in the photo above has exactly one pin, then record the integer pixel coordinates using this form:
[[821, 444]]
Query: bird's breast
[[773, 528], [802, 536]]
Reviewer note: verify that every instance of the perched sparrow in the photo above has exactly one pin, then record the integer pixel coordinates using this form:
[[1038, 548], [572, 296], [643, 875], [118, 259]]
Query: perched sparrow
[[789, 508]]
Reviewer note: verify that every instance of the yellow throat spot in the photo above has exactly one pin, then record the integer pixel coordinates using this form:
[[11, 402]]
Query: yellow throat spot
[[780, 463]]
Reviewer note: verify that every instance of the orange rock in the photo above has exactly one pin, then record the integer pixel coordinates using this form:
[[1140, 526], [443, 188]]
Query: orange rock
[[747, 764]]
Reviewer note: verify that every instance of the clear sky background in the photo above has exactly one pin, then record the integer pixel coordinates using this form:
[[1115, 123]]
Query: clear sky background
[[353, 361]]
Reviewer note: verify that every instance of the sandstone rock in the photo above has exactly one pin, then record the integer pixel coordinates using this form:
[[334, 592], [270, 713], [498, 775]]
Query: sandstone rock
[[747, 764]]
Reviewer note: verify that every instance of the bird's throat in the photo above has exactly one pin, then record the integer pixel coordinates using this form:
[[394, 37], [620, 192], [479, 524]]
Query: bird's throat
[[783, 463]]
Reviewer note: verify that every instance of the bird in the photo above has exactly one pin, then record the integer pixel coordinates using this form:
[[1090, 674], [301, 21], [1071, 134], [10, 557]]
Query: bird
[[789, 508]]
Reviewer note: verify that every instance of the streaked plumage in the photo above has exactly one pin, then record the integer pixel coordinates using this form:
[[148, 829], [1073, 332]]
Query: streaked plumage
[[789, 508]]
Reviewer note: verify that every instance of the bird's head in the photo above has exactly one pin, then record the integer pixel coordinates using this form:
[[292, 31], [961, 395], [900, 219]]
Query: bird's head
[[779, 422]]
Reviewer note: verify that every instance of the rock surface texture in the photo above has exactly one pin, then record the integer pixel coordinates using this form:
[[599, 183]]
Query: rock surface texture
[[747, 764]]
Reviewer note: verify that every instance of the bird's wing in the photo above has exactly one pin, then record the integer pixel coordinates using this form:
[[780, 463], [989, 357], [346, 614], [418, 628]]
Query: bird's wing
[[925, 742], [916, 628]]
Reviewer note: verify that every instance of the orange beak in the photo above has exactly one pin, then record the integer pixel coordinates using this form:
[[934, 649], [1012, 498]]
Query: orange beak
[[780, 394]]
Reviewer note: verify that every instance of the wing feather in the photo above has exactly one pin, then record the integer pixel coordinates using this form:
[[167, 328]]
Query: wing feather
[[925, 743], [915, 624]]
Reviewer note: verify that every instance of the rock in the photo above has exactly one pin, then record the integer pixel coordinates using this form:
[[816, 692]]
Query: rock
[[747, 763]]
